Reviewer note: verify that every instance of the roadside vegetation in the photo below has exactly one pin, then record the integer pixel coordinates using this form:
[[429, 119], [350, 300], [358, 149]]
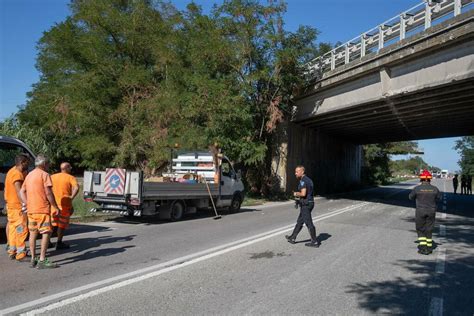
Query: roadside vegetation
[[380, 168], [465, 148]]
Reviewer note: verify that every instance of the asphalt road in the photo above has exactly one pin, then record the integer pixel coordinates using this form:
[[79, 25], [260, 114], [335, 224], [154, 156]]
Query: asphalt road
[[241, 264]]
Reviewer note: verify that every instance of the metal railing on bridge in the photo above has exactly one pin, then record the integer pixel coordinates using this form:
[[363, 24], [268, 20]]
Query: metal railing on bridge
[[404, 25]]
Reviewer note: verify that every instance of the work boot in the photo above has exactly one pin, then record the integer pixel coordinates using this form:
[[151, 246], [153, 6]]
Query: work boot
[[33, 262], [290, 239], [313, 244], [423, 250], [46, 264], [23, 259], [62, 245]]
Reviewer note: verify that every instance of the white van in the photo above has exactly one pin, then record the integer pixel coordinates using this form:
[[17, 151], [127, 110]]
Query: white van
[[9, 148]]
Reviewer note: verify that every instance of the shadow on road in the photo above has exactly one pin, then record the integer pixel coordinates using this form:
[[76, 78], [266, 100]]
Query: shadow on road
[[323, 237], [201, 214], [78, 246], [84, 228], [413, 296], [91, 254]]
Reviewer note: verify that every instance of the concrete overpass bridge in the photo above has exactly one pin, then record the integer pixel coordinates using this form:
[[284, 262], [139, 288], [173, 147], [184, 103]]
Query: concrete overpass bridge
[[412, 77]]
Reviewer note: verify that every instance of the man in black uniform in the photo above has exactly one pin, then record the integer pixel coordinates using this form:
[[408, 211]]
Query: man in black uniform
[[305, 196], [463, 184], [426, 196], [455, 183], [469, 184]]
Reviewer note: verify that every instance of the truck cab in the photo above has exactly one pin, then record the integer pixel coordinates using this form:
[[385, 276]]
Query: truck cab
[[9, 148]]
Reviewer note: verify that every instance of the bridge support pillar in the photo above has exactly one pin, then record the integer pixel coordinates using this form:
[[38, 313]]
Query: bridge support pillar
[[334, 164]]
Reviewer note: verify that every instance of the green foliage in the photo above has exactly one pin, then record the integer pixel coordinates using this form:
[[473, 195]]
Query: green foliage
[[411, 166], [39, 140], [122, 81], [376, 168], [465, 148]]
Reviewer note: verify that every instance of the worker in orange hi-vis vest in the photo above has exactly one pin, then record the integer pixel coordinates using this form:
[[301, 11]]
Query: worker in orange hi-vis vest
[[17, 220], [65, 188], [37, 192]]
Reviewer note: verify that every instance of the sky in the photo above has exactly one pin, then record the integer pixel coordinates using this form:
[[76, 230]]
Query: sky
[[22, 23]]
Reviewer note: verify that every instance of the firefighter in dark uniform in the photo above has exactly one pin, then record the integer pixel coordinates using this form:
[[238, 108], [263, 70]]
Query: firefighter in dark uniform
[[426, 196], [305, 201]]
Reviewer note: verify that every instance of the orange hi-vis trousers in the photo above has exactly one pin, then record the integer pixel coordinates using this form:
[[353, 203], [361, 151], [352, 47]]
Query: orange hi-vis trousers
[[17, 233], [62, 219]]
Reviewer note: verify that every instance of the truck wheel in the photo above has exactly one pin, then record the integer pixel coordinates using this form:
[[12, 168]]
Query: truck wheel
[[177, 212], [235, 204]]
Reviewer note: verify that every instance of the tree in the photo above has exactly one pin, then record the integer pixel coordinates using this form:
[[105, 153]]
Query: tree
[[376, 168], [411, 166], [122, 81], [465, 148], [37, 140]]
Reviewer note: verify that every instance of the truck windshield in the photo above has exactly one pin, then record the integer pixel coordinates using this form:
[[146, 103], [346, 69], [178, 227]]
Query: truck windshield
[[227, 169]]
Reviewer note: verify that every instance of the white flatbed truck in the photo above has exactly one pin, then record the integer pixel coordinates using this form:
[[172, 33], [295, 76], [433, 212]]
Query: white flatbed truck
[[171, 196]]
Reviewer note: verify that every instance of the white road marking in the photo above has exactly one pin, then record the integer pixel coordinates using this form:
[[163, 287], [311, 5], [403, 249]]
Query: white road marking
[[442, 230], [436, 307], [116, 282], [441, 260]]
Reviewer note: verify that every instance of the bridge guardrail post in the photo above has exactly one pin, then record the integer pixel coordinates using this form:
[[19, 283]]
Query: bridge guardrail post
[[346, 52], [381, 36], [402, 26], [428, 13], [457, 7], [333, 60]]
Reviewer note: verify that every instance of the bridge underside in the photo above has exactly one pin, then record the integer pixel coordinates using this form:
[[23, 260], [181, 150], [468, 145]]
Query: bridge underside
[[446, 111]]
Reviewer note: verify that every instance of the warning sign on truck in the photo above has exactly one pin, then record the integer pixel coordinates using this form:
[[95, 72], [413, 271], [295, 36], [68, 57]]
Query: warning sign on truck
[[114, 181]]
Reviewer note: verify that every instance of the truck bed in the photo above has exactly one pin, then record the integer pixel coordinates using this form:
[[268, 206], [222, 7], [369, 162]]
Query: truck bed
[[176, 190]]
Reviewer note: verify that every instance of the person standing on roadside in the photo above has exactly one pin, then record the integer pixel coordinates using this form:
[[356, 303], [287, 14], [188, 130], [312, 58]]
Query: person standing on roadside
[[426, 196], [37, 193], [455, 183], [17, 230], [463, 184], [65, 189], [469, 184], [305, 196]]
